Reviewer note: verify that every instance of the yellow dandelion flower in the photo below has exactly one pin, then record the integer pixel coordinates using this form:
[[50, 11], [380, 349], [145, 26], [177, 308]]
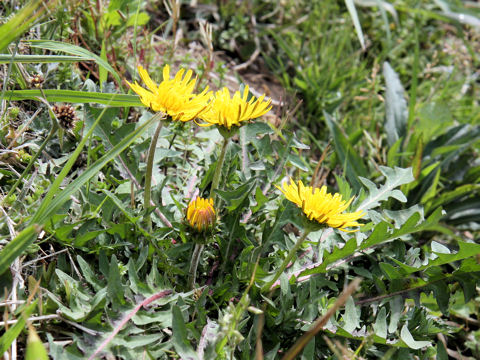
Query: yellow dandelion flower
[[226, 111], [321, 206], [175, 96], [200, 213]]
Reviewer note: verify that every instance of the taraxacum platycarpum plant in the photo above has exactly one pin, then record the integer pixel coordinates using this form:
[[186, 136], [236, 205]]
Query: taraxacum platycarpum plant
[[320, 209], [176, 99], [172, 98]]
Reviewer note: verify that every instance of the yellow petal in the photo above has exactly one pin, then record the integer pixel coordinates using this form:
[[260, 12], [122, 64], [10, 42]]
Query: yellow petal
[[146, 79], [166, 72]]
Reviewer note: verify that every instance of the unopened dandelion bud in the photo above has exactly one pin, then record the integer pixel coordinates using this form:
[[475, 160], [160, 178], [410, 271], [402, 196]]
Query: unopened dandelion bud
[[201, 214]]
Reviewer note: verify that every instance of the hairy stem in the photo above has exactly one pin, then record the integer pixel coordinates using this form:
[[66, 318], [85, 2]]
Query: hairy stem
[[148, 174], [192, 272], [218, 169], [286, 261]]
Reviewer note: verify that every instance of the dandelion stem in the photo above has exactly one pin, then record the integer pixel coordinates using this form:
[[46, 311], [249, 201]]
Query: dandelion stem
[[148, 174], [192, 272], [286, 261], [218, 169]]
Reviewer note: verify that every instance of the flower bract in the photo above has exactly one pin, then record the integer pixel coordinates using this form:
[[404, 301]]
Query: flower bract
[[173, 97], [201, 213], [227, 111], [321, 206]]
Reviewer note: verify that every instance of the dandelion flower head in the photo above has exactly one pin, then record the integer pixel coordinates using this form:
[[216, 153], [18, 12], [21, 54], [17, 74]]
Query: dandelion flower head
[[321, 206], [201, 213], [227, 111], [173, 97]]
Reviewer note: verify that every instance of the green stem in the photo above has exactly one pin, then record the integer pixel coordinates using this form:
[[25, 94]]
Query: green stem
[[148, 174], [286, 261], [32, 161], [192, 272], [218, 169]]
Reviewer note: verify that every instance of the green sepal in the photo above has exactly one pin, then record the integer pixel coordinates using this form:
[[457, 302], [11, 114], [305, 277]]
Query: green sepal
[[227, 133], [311, 225], [203, 237]]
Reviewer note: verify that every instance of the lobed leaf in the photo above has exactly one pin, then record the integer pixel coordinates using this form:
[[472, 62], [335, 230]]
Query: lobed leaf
[[410, 341], [394, 178]]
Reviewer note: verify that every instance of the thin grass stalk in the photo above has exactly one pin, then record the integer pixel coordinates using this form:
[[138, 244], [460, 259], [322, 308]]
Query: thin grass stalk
[[413, 89], [55, 198], [286, 261], [49, 203], [206, 37], [52, 132], [149, 173], [3, 105], [134, 42]]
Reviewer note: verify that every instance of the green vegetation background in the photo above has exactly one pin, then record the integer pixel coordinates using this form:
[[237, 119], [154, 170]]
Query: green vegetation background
[[363, 92]]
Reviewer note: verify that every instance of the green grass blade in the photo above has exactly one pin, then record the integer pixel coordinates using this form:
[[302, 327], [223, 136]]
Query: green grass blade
[[48, 207], [396, 107], [134, 40], [16, 247], [457, 193], [12, 333], [20, 23], [356, 22], [75, 185], [35, 349], [41, 59], [413, 88], [73, 96], [383, 13], [65, 170], [102, 72], [75, 50]]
